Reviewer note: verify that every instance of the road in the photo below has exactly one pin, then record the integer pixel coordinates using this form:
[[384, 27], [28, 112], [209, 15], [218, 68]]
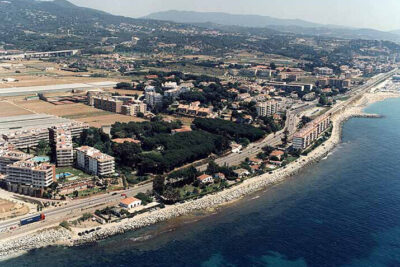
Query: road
[[293, 118], [79, 205]]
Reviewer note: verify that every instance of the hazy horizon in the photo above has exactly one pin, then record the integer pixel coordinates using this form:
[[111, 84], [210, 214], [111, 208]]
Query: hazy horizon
[[351, 13]]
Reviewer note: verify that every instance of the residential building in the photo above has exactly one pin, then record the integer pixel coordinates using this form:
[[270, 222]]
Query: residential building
[[267, 108], [107, 103], [62, 148], [153, 99], [240, 173], [130, 203], [31, 173], [310, 133], [32, 136], [94, 162], [8, 157], [219, 175], [323, 71], [236, 148], [205, 179], [134, 109], [309, 97]]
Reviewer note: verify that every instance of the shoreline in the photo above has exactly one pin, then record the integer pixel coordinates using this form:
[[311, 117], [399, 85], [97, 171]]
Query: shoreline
[[16, 246]]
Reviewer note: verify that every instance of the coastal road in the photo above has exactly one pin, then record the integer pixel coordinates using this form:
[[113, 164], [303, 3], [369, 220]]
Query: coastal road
[[293, 119], [81, 205]]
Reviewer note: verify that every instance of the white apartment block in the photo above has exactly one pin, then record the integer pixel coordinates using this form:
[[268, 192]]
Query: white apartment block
[[62, 148], [8, 157], [310, 133], [268, 108], [153, 99], [94, 162], [31, 173], [31, 137], [323, 71]]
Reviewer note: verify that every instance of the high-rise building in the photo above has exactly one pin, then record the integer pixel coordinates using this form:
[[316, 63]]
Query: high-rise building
[[306, 136], [62, 148], [94, 162], [153, 99], [267, 108]]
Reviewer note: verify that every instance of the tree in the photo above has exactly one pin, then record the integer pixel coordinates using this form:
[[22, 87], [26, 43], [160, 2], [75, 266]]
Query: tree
[[124, 85], [272, 65], [285, 137], [159, 184]]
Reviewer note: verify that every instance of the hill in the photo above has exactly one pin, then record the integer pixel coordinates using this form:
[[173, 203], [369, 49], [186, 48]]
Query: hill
[[295, 26], [227, 19]]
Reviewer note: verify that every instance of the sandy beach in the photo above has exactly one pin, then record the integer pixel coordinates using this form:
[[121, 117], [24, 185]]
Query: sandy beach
[[60, 236]]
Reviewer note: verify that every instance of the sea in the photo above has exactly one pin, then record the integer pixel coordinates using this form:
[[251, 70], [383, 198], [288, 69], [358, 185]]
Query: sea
[[342, 211]]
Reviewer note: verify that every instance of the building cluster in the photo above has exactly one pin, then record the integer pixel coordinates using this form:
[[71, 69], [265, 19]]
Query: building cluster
[[126, 105], [311, 132], [23, 174], [194, 109], [30, 137], [30, 175]]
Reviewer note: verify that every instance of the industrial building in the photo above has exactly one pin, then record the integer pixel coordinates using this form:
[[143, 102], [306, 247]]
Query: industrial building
[[16, 91]]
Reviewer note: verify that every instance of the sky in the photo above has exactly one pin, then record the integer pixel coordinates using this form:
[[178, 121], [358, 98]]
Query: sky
[[376, 14]]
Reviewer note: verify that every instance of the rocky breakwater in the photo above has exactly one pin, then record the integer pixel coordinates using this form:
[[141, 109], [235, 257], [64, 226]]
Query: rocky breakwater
[[49, 237]]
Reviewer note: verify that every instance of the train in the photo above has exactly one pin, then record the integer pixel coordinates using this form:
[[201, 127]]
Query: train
[[36, 218]]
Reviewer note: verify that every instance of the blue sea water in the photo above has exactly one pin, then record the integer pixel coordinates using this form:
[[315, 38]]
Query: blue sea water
[[343, 211]]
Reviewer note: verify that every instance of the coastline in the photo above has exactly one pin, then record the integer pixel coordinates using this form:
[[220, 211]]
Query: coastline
[[13, 247]]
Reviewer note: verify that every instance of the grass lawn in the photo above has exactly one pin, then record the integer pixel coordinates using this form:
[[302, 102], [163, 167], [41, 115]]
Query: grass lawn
[[77, 173], [87, 192]]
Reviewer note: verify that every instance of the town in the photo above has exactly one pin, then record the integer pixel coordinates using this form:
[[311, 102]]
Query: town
[[142, 118]]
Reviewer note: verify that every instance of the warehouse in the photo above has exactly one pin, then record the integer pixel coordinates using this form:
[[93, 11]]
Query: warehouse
[[16, 91]]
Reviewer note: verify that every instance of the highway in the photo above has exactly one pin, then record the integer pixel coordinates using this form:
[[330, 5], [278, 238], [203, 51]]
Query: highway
[[77, 205]]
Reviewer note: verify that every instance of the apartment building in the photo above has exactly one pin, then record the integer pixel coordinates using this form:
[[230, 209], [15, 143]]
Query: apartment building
[[62, 148], [194, 109], [153, 99], [106, 103], [323, 71], [134, 109], [27, 138], [31, 173], [94, 162], [267, 108], [310, 133], [31, 137], [8, 157]]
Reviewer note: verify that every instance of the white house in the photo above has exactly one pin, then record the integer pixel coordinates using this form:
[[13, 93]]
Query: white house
[[241, 173], [130, 202], [205, 179], [236, 148]]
